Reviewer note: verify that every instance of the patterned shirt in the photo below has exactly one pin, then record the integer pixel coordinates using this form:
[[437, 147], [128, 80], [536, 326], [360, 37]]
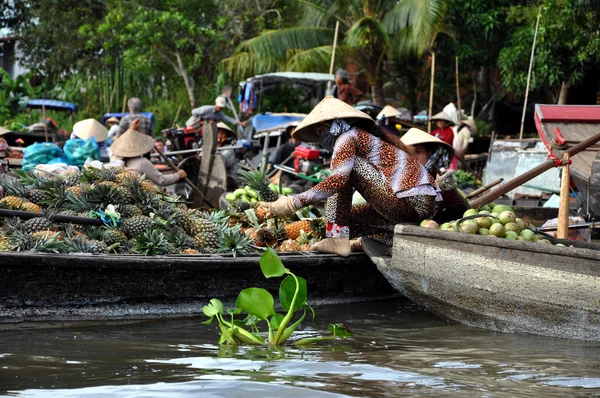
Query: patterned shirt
[[144, 127], [407, 177]]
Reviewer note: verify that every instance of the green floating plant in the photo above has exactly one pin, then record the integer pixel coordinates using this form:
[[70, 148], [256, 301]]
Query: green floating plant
[[259, 306]]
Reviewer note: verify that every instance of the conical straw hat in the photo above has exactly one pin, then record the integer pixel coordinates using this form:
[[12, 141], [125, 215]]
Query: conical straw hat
[[328, 109], [87, 128], [442, 116], [416, 136], [112, 120], [223, 126], [132, 144], [470, 122], [388, 112]]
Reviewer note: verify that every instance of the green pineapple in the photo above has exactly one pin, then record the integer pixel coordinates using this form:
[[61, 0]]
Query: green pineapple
[[36, 195], [180, 240], [11, 203], [234, 242], [37, 224], [136, 225], [112, 236], [81, 245], [128, 211], [208, 237], [152, 243], [257, 180], [32, 207], [73, 179]]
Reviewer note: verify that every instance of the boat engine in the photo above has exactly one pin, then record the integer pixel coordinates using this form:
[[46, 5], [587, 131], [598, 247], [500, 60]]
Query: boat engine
[[309, 159]]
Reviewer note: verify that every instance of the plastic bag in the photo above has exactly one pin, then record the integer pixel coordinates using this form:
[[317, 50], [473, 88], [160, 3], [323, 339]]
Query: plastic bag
[[77, 151], [40, 153], [56, 168]]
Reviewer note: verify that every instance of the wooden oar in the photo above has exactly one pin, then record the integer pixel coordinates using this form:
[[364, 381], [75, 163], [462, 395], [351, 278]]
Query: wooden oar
[[562, 231], [190, 183], [531, 174], [56, 217]]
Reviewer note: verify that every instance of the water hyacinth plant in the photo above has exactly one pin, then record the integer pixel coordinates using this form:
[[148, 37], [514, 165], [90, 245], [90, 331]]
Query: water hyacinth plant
[[259, 306]]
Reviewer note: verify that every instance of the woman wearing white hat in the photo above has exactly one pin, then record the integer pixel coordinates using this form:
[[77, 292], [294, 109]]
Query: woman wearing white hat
[[367, 159], [88, 128], [132, 147], [434, 154]]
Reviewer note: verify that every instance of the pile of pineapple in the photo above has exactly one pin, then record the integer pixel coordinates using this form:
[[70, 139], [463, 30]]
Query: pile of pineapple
[[138, 219]]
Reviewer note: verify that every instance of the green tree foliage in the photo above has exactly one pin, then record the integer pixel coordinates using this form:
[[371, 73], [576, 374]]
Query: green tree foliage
[[370, 32], [568, 46]]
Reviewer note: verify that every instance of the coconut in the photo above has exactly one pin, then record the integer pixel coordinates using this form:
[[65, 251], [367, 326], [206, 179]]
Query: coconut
[[507, 216], [511, 235], [483, 231], [430, 224], [527, 234], [512, 226], [469, 227], [497, 230], [470, 212], [484, 222]]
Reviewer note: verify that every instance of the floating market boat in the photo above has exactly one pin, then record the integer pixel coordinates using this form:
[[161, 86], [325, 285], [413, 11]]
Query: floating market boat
[[38, 290], [563, 126], [497, 284]]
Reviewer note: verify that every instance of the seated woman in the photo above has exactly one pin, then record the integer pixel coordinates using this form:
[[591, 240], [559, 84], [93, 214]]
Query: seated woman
[[88, 128], [134, 149], [434, 154], [366, 158]]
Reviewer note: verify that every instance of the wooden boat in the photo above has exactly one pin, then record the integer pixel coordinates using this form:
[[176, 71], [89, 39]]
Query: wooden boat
[[563, 126], [45, 289], [497, 284]]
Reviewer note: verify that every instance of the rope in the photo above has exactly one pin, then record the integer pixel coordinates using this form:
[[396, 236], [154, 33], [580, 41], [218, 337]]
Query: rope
[[558, 162]]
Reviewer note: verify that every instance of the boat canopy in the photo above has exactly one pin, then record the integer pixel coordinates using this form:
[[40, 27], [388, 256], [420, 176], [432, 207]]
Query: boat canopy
[[51, 104], [263, 82], [276, 121]]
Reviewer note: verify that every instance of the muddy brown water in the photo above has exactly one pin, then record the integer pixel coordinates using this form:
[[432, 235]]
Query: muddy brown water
[[399, 350]]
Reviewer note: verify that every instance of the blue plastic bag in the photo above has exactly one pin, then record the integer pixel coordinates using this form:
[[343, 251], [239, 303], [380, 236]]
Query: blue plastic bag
[[40, 153], [77, 151]]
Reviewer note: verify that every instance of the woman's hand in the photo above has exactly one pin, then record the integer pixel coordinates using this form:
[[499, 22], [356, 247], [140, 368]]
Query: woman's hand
[[281, 207], [182, 174], [446, 181]]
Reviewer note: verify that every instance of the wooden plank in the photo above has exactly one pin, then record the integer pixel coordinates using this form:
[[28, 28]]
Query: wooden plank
[[570, 113]]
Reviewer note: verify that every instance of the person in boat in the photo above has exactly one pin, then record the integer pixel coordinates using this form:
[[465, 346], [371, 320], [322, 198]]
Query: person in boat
[[388, 119], [89, 128], [443, 129], [112, 124], [285, 156], [462, 136], [434, 154], [134, 149], [343, 90], [370, 160], [451, 111], [135, 108], [226, 136], [212, 113]]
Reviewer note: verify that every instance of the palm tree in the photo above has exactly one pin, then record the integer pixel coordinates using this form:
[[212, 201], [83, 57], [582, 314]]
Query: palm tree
[[372, 31]]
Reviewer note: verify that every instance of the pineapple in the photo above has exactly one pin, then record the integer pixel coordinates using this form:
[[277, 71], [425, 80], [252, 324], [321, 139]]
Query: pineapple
[[136, 225], [148, 187], [41, 235], [315, 226], [190, 251], [115, 192], [264, 237], [234, 242], [32, 207], [263, 214], [36, 195], [208, 236], [125, 177], [112, 236], [128, 211], [289, 245], [240, 206], [80, 245], [76, 190], [11, 203], [5, 245], [152, 243], [37, 224], [73, 179], [257, 180]]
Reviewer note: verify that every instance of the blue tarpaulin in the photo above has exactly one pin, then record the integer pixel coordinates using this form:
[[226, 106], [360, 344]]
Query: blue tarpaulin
[[275, 121], [51, 104], [121, 115]]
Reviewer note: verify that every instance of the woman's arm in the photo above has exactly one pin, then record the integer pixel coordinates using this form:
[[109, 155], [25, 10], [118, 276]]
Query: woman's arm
[[342, 164], [146, 167]]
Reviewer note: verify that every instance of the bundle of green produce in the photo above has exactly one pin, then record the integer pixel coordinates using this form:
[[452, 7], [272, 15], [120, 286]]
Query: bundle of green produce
[[497, 221], [249, 195], [465, 177], [137, 218]]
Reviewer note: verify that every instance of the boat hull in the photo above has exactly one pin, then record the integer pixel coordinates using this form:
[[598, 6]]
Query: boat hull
[[508, 286], [50, 289]]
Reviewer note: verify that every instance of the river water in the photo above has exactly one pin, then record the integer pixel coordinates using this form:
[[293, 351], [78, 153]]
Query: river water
[[399, 350]]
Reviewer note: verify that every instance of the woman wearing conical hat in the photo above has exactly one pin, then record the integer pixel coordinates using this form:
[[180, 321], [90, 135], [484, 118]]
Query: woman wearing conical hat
[[434, 154], [134, 149], [367, 159], [89, 128], [444, 125]]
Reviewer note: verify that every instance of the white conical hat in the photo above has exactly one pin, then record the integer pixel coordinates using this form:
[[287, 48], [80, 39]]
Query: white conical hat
[[87, 128], [223, 126], [132, 144], [388, 112], [328, 109], [415, 136], [443, 116]]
